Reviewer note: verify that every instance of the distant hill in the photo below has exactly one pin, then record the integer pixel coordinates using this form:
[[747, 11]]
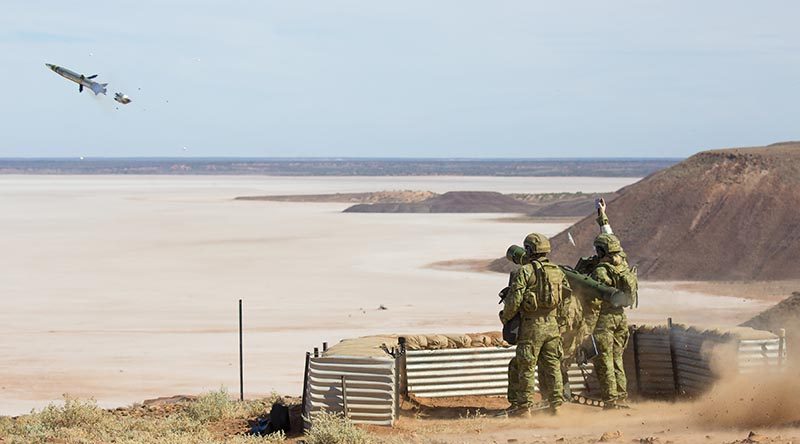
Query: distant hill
[[731, 214], [409, 201], [451, 202], [371, 197]]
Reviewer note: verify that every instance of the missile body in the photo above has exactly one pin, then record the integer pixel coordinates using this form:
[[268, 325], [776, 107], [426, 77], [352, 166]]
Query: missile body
[[80, 79]]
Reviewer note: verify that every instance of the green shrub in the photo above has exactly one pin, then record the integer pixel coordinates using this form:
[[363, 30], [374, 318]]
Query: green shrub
[[212, 406], [334, 428], [74, 413]]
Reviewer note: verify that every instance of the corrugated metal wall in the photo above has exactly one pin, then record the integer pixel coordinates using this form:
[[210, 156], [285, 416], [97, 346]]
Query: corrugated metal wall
[[467, 372], [761, 355], [666, 363], [653, 364], [370, 386], [699, 361], [693, 354]]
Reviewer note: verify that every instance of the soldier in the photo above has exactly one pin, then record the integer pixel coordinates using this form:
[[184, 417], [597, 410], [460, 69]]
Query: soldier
[[590, 307], [611, 329], [535, 293], [569, 315], [518, 257]]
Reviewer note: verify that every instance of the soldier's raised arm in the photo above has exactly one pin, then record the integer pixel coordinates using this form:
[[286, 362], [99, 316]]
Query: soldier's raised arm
[[602, 219]]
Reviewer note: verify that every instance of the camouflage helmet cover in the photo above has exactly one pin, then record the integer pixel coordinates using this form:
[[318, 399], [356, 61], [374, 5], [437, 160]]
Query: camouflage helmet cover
[[608, 242], [538, 243]]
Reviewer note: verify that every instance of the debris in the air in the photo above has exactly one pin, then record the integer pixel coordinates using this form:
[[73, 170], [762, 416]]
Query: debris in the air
[[122, 98]]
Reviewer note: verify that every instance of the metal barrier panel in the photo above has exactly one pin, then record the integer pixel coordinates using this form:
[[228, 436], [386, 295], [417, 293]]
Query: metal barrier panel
[[654, 362], [760, 355], [370, 388], [693, 354], [468, 372]]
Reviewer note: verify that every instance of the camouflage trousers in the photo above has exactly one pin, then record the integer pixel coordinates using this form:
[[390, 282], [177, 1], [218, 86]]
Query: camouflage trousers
[[514, 393], [611, 335], [573, 330], [540, 343]]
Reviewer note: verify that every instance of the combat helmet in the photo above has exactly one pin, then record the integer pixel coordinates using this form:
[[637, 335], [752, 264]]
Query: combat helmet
[[608, 243], [537, 243]]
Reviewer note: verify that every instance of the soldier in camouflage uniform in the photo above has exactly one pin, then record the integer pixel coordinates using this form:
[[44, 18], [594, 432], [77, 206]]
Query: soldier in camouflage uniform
[[611, 329], [535, 291], [569, 315]]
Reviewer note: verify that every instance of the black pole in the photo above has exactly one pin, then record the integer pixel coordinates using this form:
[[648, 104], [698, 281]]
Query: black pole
[[344, 397], [675, 376], [241, 361], [305, 413]]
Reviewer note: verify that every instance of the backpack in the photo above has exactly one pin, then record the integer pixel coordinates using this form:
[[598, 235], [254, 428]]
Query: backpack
[[547, 292], [278, 420], [625, 280], [510, 328]]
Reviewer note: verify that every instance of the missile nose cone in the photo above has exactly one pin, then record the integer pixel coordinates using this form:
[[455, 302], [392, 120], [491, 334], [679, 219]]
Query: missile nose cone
[[50, 65]]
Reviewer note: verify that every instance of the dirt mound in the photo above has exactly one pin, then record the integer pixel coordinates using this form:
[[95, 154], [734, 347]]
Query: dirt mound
[[719, 215], [785, 314], [451, 202]]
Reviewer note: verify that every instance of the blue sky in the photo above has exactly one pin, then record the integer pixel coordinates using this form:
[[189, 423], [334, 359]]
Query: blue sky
[[399, 79]]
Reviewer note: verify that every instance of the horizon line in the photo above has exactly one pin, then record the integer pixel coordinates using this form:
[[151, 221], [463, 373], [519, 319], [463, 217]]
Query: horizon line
[[338, 158]]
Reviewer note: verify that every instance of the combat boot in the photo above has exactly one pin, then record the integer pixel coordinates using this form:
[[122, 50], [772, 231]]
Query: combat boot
[[617, 404], [517, 411]]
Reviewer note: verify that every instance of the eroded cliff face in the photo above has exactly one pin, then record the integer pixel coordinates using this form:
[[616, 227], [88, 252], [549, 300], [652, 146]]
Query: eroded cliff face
[[730, 214]]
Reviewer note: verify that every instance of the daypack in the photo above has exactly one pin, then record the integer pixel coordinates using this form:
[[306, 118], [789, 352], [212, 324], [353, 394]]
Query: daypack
[[510, 328], [546, 292], [627, 281], [278, 420]]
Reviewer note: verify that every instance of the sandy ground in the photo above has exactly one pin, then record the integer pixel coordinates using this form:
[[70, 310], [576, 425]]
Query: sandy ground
[[126, 288]]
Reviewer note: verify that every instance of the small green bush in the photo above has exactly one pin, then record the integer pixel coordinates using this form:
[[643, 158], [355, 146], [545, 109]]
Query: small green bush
[[212, 406], [334, 428]]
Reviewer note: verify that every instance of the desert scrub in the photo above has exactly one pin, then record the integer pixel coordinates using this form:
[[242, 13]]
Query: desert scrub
[[272, 438], [217, 405], [83, 422], [212, 406], [333, 428]]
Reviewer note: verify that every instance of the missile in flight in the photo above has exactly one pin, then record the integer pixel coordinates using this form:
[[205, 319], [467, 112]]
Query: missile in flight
[[80, 79]]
